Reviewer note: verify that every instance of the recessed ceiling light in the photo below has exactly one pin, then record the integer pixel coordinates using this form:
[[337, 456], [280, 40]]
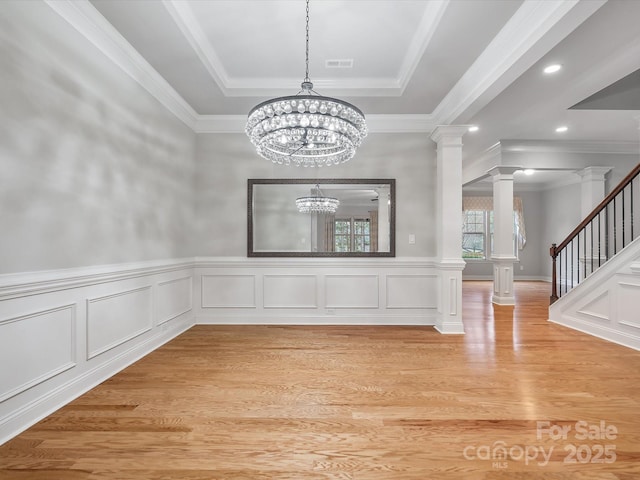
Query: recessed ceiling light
[[529, 171], [553, 68], [562, 129], [474, 128]]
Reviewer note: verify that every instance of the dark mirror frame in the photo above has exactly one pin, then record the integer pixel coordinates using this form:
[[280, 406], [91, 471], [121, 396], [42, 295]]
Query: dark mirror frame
[[324, 181]]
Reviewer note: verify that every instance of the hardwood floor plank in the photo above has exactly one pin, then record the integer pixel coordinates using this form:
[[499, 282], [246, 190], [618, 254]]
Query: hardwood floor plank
[[356, 403]]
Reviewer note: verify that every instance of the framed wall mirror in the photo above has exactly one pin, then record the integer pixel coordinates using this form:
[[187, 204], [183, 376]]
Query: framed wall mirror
[[321, 218]]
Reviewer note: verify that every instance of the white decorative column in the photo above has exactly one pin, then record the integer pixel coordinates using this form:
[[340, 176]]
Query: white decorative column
[[592, 192], [592, 188], [449, 227], [502, 255]]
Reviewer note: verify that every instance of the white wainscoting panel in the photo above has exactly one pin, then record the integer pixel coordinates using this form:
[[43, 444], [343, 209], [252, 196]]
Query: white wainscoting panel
[[453, 296], [114, 319], [290, 291], [412, 291], [63, 332], [628, 314], [352, 291], [605, 304], [597, 308], [174, 298], [228, 291], [35, 348], [69, 330], [316, 291]]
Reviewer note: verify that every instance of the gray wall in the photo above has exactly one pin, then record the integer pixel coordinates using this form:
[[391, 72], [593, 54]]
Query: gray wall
[[226, 161], [529, 264], [561, 208], [93, 169]]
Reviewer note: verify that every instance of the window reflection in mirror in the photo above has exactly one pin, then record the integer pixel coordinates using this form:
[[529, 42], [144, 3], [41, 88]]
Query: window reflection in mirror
[[362, 225]]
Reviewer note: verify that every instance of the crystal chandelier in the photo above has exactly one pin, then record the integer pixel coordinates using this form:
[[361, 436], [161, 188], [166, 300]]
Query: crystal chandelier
[[306, 129], [317, 203]]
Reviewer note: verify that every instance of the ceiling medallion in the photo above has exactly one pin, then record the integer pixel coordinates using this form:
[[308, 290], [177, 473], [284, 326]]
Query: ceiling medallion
[[306, 129]]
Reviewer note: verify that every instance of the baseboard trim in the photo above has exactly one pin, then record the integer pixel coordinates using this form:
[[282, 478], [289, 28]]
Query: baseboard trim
[[519, 278], [417, 320], [604, 333]]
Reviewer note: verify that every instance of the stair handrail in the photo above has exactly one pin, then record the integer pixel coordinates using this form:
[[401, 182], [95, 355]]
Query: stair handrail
[[555, 249]]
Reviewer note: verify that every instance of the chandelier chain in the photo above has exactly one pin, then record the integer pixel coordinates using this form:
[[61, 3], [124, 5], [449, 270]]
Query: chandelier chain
[[306, 77], [306, 129]]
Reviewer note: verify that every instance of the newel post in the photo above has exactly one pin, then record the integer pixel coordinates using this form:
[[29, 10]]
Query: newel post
[[554, 282]]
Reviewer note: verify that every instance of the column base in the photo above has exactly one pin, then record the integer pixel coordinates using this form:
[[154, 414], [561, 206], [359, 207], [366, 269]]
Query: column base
[[503, 281], [505, 301], [449, 328], [449, 320]]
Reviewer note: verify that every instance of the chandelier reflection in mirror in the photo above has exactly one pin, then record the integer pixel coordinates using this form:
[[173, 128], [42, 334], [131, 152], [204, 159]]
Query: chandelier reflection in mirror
[[317, 203], [306, 129]]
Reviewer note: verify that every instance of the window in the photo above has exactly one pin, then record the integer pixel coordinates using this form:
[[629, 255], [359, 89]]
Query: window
[[352, 235], [474, 227], [477, 234], [477, 227]]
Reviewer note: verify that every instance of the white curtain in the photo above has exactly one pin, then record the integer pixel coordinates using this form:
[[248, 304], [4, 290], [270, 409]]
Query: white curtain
[[373, 229], [329, 233], [486, 203]]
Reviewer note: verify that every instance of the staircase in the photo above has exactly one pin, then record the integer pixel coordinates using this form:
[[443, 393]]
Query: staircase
[[596, 269]]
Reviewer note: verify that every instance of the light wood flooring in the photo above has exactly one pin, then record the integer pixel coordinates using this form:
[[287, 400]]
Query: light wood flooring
[[311, 402]]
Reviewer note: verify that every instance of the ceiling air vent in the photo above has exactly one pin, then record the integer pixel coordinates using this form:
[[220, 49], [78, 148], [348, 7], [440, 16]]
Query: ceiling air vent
[[340, 63]]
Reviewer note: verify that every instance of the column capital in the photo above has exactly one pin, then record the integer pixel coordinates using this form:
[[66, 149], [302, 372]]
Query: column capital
[[448, 131], [594, 173], [500, 170]]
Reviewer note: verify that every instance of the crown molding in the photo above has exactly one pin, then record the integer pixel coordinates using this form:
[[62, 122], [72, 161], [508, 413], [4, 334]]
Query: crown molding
[[570, 146], [592, 173], [424, 33], [352, 87], [556, 146], [190, 28], [451, 133], [477, 169], [503, 170], [571, 178], [406, 123], [86, 19], [220, 124], [188, 24], [525, 28]]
